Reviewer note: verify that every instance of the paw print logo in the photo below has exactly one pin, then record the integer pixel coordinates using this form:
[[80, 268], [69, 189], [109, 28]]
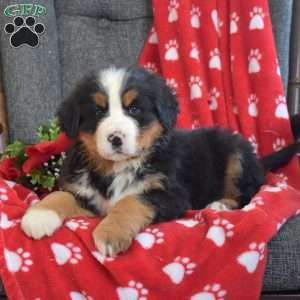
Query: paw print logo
[[172, 50], [102, 258], [189, 223], [80, 296], [134, 290], [219, 231], [66, 253], [172, 84], [279, 144], [153, 38], [75, 224], [173, 6], [253, 142], [150, 237], [252, 108], [216, 20], [255, 202], [195, 16], [177, 269], [18, 260], [195, 87], [213, 98], [254, 58], [5, 223], [234, 18], [215, 60], [281, 108], [24, 32], [256, 18], [211, 292], [151, 67], [3, 194], [194, 53], [251, 257]]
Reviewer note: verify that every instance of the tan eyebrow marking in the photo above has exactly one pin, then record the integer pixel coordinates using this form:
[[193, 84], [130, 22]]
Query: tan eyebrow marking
[[129, 96], [100, 99]]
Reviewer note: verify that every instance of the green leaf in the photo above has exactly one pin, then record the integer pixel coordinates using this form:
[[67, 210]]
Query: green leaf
[[16, 149], [49, 132]]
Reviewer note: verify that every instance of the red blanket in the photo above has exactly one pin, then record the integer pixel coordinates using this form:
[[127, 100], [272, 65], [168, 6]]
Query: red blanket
[[219, 56]]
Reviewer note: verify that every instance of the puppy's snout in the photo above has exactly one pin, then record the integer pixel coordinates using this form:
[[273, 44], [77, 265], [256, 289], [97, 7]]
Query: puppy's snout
[[116, 140]]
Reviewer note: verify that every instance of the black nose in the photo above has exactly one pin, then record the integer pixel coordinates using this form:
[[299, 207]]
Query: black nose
[[115, 140]]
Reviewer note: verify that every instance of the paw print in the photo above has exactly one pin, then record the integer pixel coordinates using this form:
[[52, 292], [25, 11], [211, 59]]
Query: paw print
[[80, 296], [66, 253], [18, 260], [211, 292], [254, 58], [151, 67], [195, 87], [153, 38], [189, 223], [150, 237], [172, 7], [194, 53], [219, 231], [213, 96], [234, 18], [252, 108], [177, 269], [195, 16], [74, 224], [256, 18], [3, 194], [279, 144], [134, 290], [101, 258], [196, 124], [251, 257], [281, 108], [256, 201], [5, 223], [216, 20], [215, 60], [253, 141], [24, 32], [172, 84], [171, 50]]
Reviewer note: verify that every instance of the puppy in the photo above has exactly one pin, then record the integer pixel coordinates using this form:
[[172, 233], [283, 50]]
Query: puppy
[[132, 167]]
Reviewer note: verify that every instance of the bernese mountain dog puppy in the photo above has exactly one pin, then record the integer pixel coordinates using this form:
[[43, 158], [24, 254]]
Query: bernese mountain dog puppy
[[132, 167]]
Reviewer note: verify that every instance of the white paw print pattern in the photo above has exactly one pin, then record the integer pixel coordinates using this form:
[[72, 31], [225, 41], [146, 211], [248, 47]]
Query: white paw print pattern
[[196, 124], [171, 50], [18, 260], [211, 292], [153, 38], [216, 21], [234, 18], [219, 231], [172, 7], [151, 67], [177, 269], [189, 223], [252, 108], [254, 58], [251, 257], [194, 53], [195, 87], [256, 18], [3, 194], [66, 253], [279, 144], [5, 223], [281, 108], [214, 94], [195, 16], [150, 237], [252, 139], [134, 291], [172, 84], [255, 202], [102, 258], [215, 60], [75, 224], [80, 295]]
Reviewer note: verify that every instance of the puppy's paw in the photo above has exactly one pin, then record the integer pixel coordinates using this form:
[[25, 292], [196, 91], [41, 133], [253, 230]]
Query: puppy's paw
[[218, 206], [111, 240], [38, 223]]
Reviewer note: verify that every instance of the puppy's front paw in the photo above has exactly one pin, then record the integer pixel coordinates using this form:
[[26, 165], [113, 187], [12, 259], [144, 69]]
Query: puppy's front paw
[[38, 223], [111, 240]]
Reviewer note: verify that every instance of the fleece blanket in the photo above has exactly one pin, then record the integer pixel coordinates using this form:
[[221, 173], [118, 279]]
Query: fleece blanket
[[219, 58]]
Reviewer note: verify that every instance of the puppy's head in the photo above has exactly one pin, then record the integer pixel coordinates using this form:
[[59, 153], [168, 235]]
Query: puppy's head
[[119, 113]]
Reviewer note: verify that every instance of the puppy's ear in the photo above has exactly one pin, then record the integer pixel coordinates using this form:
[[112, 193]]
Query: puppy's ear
[[69, 116]]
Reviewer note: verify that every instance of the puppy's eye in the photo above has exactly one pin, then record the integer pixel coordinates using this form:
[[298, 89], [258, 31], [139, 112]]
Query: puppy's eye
[[100, 110], [134, 110]]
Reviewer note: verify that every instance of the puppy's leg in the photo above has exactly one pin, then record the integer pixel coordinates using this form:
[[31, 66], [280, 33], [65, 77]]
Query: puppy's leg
[[223, 204], [43, 218], [122, 223]]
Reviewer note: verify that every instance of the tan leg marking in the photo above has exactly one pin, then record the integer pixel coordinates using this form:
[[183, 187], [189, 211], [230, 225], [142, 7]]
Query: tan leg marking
[[117, 230], [45, 217]]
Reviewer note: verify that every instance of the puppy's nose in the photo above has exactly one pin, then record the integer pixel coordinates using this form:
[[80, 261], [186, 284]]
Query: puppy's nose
[[115, 140]]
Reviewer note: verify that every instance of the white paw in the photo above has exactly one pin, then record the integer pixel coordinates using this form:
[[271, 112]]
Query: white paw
[[257, 18], [153, 38], [151, 67], [216, 21], [214, 94], [38, 223], [253, 141], [218, 206], [219, 231], [80, 296], [255, 202], [171, 50], [172, 7], [195, 16], [211, 292], [5, 223], [150, 237], [195, 87], [66, 253], [215, 60], [74, 224], [279, 144], [194, 53], [172, 84], [252, 108], [134, 291], [188, 222], [281, 108], [234, 18], [180, 267], [18, 260], [254, 58], [101, 258]]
